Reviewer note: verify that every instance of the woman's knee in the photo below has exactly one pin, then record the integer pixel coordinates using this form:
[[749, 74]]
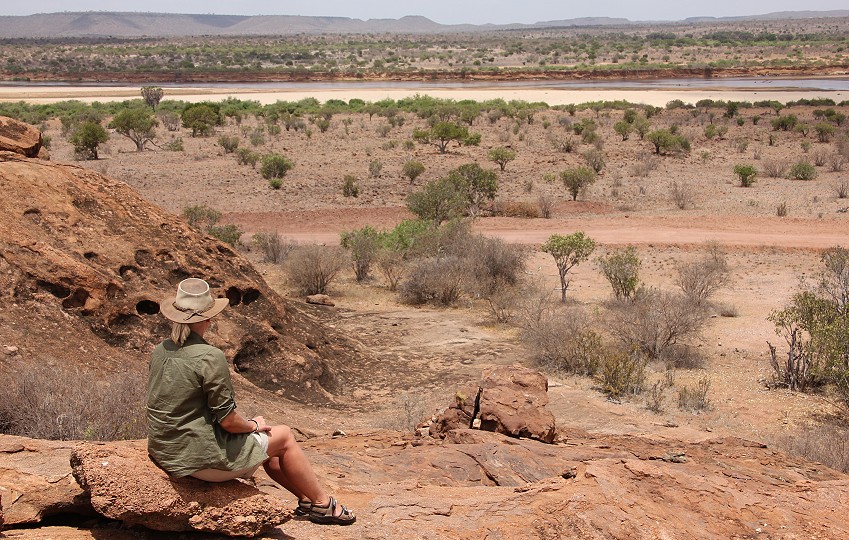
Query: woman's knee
[[279, 439]]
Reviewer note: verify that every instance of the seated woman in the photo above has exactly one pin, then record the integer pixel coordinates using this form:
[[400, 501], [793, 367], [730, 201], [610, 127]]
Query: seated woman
[[193, 427]]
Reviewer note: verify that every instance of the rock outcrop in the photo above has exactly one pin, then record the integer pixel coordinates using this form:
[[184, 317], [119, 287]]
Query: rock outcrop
[[36, 481], [124, 484], [84, 262], [19, 137], [510, 400]]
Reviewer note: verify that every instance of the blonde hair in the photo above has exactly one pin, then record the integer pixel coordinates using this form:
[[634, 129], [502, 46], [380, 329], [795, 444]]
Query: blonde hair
[[180, 333]]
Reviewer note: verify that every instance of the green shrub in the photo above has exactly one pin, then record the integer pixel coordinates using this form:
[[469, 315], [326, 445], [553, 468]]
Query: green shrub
[[275, 166], [746, 174], [229, 143], [622, 270], [621, 374], [363, 245], [350, 188], [229, 233], [576, 179], [802, 170], [412, 169], [201, 216]]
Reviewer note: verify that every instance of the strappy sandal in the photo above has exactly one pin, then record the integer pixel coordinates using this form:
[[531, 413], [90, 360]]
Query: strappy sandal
[[303, 508], [325, 514]]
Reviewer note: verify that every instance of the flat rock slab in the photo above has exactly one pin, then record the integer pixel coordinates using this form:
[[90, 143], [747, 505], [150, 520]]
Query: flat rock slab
[[126, 485], [19, 137]]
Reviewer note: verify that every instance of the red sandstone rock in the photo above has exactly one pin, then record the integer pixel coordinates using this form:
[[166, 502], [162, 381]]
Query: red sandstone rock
[[511, 400], [126, 485], [19, 137]]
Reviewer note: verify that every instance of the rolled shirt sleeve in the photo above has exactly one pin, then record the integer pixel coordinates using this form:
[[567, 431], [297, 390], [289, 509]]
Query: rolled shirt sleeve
[[217, 386]]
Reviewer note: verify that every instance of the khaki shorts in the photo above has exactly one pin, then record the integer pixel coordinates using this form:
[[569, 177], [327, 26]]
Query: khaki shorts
[[219, 475]]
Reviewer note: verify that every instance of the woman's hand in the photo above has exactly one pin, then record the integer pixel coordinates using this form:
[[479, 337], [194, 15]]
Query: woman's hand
[[261, 426]]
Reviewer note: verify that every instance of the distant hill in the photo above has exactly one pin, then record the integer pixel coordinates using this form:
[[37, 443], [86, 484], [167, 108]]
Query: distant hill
[[128, 25]]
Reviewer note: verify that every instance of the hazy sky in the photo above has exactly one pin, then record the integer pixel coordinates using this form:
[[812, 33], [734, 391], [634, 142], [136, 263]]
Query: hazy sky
[[441, 11]]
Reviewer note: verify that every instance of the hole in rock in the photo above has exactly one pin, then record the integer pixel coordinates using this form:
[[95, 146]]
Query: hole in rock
[[143, 257], [147, 307], [251, 295], [234, 295], [90, 255], [76, 300], [126, 269], [56, 289]]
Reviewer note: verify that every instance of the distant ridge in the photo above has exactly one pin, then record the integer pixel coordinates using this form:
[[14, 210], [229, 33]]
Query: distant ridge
[[131, 25]]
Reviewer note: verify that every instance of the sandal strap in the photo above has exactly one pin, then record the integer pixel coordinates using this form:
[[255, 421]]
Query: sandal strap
[[324, 510]]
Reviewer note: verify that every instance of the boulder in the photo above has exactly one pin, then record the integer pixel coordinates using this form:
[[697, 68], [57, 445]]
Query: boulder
[[320, 300], [36, 481], [126, 485], [19, 137], [510, 399]]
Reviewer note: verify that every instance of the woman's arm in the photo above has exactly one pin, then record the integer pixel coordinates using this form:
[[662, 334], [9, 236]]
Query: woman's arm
[[236, 423]]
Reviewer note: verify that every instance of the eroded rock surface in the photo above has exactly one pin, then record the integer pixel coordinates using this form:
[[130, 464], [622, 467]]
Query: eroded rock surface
[[124, 484], [511, 400], [36, 481], [84, 262], [20, 138]]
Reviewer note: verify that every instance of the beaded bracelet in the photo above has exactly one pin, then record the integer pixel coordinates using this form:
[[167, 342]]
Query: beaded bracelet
[[255, 423]]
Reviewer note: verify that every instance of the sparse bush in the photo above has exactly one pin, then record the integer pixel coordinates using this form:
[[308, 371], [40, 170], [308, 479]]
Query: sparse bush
[[518, 209], [654, 320], [644, 165], [412, 169], [781, 209], [695, 399], [174, 145], [682, 195], [439, 280], [655, 398], [842, 190], [350, 187], [312, 268], [622, 374], [595, 159], [746, 174], [229, 143], [565, 145], [245, 156], [227, 233], [363, 245], [775, 168], [560, 340], [622, 270], [201, 216], [59, 402], [545, 205], [836, 162], [374, 168], [275, 166], [828, 444], [699, 280], [820, 158], [802, 170], [275, 248]]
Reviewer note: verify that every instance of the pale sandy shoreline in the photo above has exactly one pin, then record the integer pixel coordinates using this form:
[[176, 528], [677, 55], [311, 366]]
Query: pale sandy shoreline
[[552, 96]]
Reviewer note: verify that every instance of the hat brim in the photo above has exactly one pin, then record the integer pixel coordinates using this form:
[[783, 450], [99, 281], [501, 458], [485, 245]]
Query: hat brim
[[166, 307]]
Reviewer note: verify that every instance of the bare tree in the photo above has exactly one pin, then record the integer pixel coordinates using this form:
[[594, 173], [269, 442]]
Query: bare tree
[[152, 95]]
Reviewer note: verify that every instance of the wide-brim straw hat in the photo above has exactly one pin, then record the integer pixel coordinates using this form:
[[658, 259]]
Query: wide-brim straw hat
[[193, 303]]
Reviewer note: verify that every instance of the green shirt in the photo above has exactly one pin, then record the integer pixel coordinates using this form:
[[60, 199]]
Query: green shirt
[[189, 392]]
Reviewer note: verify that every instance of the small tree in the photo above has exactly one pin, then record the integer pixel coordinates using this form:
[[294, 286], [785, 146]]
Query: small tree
[[666, 142], [622, 270], [478, 184], [502, 156], [363, 245], [623, 129], [438, 201], [746, 174], [312, 268], [443, 133], [152, 95], [137, 125], [87, 137], [201, 118], [576, 179], [275, 166], [568, 251], [412, 169]]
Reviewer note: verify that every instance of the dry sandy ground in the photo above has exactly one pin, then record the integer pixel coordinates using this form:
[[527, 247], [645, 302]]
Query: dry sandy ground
[[427, 352]]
